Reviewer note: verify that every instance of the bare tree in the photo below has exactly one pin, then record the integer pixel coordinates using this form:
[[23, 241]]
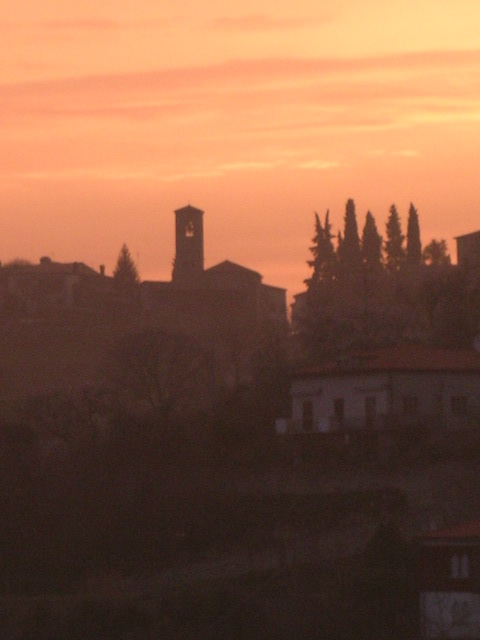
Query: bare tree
[[167, 374]]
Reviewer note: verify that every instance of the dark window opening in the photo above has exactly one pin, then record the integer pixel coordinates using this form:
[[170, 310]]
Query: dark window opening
[[189, 230], [410, 405], [307, 415], [459, 405], [339, 410], [370, 411], [460, 566]]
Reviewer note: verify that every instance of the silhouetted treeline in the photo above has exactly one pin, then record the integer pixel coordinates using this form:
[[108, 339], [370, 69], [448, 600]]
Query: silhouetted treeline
[[366, 291], [370, 594], [106, 480]]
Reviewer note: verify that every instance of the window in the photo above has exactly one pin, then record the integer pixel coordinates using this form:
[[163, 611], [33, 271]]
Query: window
[[370, 411], [458, 405], [455, 567], [189, 229], [410, 405], [339, 410], [461, 613], [307, 415], [460, 566]]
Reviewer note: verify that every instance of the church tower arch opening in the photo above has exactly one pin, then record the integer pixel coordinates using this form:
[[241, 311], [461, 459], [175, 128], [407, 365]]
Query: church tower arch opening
[[189, 250]]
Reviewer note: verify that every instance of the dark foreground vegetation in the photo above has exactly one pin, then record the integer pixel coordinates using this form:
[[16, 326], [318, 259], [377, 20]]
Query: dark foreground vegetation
[[202, 532], [362, 598], [146, 506]]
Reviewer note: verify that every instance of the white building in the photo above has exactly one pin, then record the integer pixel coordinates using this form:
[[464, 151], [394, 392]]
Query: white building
[[409, 385], [448, 583]]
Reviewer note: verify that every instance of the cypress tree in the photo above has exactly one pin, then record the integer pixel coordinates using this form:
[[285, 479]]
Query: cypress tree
[[316, 251], [323, 262], [371, 244], [125, 274], [339, 244], [349, 252], [394, 250], [330, 255], [414, 245]]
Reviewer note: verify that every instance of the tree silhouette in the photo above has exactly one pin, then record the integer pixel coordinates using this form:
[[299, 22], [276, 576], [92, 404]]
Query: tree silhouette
[[349, 252], [436, 253], [414, 245], [316, 250], [394, 250], [324, 258], [330, 255], [371, 244], [166, 373], [125, 274]]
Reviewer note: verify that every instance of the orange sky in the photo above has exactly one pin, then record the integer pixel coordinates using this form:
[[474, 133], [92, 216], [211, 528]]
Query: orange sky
[[115, 114]]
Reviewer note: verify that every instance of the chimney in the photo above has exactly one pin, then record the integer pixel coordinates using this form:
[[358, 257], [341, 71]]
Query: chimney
[[102, 269]]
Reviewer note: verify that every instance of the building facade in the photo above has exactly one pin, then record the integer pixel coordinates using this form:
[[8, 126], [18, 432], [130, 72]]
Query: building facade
[[399, 387], [226, 307], [449, 583], [468, 250]]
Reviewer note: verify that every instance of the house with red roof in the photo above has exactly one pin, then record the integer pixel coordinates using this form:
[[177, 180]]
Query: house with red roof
[[390, 388], [449, 582]]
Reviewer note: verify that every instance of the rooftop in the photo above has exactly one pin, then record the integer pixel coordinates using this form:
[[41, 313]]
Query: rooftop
[[188, 209], [407, 357], [467, 235], [229, 267], [48, 266], [466, 530]]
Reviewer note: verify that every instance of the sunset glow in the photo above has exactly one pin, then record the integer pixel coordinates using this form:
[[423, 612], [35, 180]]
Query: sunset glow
[[258, 113]]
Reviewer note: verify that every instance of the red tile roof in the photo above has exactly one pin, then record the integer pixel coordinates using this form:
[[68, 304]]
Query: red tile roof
[[400, 358], [466, 530]]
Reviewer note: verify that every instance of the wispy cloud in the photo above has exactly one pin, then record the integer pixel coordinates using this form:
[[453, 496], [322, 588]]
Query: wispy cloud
[[82, 25], [248, 166], [319, 165], [270, 71], [266, 104], [407, 153], [264, 22], [190, 175]]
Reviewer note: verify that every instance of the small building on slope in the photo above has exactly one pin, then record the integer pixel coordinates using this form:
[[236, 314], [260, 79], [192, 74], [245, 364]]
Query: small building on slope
[[390, 388], [449, 582]]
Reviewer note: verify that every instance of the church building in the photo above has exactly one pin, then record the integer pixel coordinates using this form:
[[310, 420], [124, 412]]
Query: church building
[[226, 306]]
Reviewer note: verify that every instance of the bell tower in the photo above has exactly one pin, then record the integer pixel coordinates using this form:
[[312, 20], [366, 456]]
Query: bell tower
[[188, 265]]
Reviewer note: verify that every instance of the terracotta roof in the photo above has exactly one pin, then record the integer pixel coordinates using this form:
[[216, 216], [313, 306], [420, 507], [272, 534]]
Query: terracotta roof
[[466, 530], [400, 358]]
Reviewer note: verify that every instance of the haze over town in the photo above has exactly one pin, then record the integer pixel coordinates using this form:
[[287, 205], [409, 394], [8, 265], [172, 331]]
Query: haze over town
[[179, 456], [259, 114]]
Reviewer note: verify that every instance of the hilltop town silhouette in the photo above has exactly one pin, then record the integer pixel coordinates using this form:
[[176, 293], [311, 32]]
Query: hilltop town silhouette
[[69, 310], [60, 318], [143, 487]]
